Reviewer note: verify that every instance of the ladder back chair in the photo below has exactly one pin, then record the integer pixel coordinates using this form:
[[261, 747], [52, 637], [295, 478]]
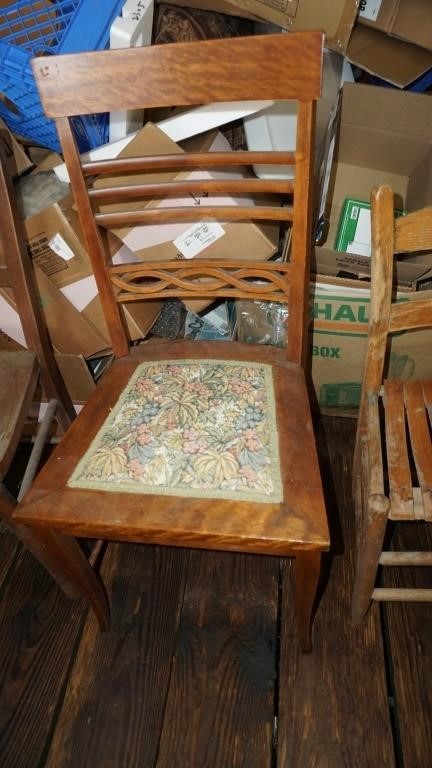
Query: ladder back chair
[[24, 376], [187, 443], [393, 455]]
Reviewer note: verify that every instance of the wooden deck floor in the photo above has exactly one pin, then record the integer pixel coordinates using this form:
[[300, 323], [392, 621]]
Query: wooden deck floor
[[201, 668]]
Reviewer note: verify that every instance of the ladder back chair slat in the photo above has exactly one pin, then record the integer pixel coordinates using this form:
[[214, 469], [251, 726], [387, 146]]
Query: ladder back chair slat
[[420, 439], [399, 474]]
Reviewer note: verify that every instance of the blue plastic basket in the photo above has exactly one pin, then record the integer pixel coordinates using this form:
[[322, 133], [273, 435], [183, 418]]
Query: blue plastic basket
[[31, 28]]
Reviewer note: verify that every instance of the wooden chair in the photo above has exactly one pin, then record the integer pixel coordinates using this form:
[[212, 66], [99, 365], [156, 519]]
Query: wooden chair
[[24, 375], [187, 443], [393, 464]]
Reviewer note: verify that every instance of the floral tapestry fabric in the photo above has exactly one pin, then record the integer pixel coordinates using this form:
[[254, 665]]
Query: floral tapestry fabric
[[201, 428]]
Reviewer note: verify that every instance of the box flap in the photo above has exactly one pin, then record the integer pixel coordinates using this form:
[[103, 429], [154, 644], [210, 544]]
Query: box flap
[[387, 109], [413, 22], [326, 261], [393, 60], [334, 17]]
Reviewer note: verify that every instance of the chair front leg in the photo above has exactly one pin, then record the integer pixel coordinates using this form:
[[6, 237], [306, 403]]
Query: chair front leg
[[306, 574], [61, 556]]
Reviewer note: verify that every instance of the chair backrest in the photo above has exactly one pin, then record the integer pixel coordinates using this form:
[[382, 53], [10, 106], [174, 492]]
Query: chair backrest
[[16, 273], [405, 234], [271, 67]]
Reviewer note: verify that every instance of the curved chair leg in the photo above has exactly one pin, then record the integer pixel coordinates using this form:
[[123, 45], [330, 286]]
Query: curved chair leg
[[369, 550], [307, 571], [62, 557]]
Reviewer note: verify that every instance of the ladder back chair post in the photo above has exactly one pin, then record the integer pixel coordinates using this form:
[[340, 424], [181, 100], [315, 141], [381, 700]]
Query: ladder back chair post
[[247, 480], [22, 282], [20, 373], [394, 417]]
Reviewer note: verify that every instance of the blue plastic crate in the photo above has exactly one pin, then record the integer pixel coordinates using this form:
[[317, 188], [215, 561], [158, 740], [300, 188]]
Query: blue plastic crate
[[31, 28]]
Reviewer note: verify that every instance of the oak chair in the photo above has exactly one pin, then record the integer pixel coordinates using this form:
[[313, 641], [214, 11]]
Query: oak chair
[[24, 377], [187, 443], [393, 456]]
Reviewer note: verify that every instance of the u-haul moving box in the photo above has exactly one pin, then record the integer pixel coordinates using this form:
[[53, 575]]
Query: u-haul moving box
[[338, 333]]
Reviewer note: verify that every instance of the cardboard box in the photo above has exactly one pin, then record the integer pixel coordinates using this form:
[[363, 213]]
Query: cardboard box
[[338, 334], [70, 331], [384, 138], [398, 62], [334, 17], [56, 244], [219, 6], [408, 20], [166, 242]]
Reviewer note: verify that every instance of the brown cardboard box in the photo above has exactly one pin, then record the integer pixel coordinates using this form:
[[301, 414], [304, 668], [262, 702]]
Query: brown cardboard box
[[54, 234], [150, 243], [340, 312], [56, 243], [219, 6], [409, 20], [70, 331], [77, 377], [384, 138], [396, 61], [334, 17], [393, 47]]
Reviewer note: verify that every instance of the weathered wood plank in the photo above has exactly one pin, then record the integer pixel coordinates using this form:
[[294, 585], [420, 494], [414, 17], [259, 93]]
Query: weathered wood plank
[[220, 707], [114, 703], [9, 547], [333, 709], [410, 646], [39, 629]]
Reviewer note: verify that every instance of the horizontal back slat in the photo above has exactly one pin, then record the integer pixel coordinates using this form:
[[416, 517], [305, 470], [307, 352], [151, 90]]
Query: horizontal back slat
[[193, 213], [414, 231], [420, 441], [399, 474], [412, 314], [71, 85], [186, 160], [195, 187]]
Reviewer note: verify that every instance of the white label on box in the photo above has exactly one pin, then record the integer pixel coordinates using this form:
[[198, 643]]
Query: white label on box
[[369, 9], [60, 247], [198, 237]]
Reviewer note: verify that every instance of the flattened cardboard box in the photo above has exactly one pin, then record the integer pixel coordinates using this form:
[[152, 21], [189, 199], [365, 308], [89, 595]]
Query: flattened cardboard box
[[384, 137], [73, 368], [56, 244], [69, 330], [338, 336]]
